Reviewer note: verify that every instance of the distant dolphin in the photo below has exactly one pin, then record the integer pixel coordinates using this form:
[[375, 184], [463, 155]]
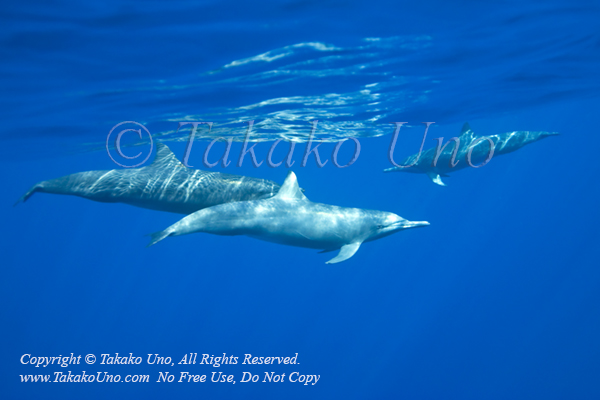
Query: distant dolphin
[[164, 185], [290, 218], [452, 158]]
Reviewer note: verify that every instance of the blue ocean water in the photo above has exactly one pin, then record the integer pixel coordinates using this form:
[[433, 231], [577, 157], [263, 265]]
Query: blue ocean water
[[498, 298]]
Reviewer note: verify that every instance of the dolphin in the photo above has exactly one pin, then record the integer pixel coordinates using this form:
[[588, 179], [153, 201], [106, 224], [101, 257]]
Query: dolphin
[[438, 163], [290, 218], [164, 185]]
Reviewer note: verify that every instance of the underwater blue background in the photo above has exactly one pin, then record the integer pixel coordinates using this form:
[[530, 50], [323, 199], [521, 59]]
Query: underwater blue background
[[499, 298]]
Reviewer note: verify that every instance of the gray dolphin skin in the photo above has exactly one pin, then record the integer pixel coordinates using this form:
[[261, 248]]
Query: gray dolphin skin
[[290, 218], [453, 158], [164, 185]]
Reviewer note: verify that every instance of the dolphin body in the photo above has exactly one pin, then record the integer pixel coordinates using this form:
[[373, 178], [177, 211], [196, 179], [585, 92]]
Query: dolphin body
[[290, 218], [454, 158], [164, 185]]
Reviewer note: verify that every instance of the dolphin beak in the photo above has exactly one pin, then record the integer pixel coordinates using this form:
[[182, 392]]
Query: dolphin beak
[[414, 224], [548, 134]]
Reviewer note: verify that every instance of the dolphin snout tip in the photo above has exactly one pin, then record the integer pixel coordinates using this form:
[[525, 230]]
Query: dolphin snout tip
[[417, 224]]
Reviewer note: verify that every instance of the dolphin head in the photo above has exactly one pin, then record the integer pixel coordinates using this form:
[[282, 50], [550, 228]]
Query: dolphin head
[[531, 136], [387, 223], [548, 134], [525, 137]]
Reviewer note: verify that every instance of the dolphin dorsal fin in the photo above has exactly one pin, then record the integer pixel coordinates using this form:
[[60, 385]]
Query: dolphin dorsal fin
[[466, 128], [164, 157], [466, 134], [290, 188]]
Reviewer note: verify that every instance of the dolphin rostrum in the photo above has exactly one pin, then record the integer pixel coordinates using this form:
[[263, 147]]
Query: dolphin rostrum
[[467, 149], [290, 218], [164, 185]]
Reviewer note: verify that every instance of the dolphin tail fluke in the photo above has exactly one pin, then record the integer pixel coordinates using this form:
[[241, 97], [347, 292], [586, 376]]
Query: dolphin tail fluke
[[158, 236], [28, 194]]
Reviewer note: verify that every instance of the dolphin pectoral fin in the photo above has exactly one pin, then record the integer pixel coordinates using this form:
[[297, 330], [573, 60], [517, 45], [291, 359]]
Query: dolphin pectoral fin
[[436, 178], [345, 253], [158, 236]]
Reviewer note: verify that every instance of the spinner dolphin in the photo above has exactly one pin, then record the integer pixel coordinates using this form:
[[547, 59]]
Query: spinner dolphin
[[467, 149], [164, 185], [290, 218]]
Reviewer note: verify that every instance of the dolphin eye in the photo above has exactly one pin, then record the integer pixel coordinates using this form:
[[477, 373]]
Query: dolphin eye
[[379, 226]]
